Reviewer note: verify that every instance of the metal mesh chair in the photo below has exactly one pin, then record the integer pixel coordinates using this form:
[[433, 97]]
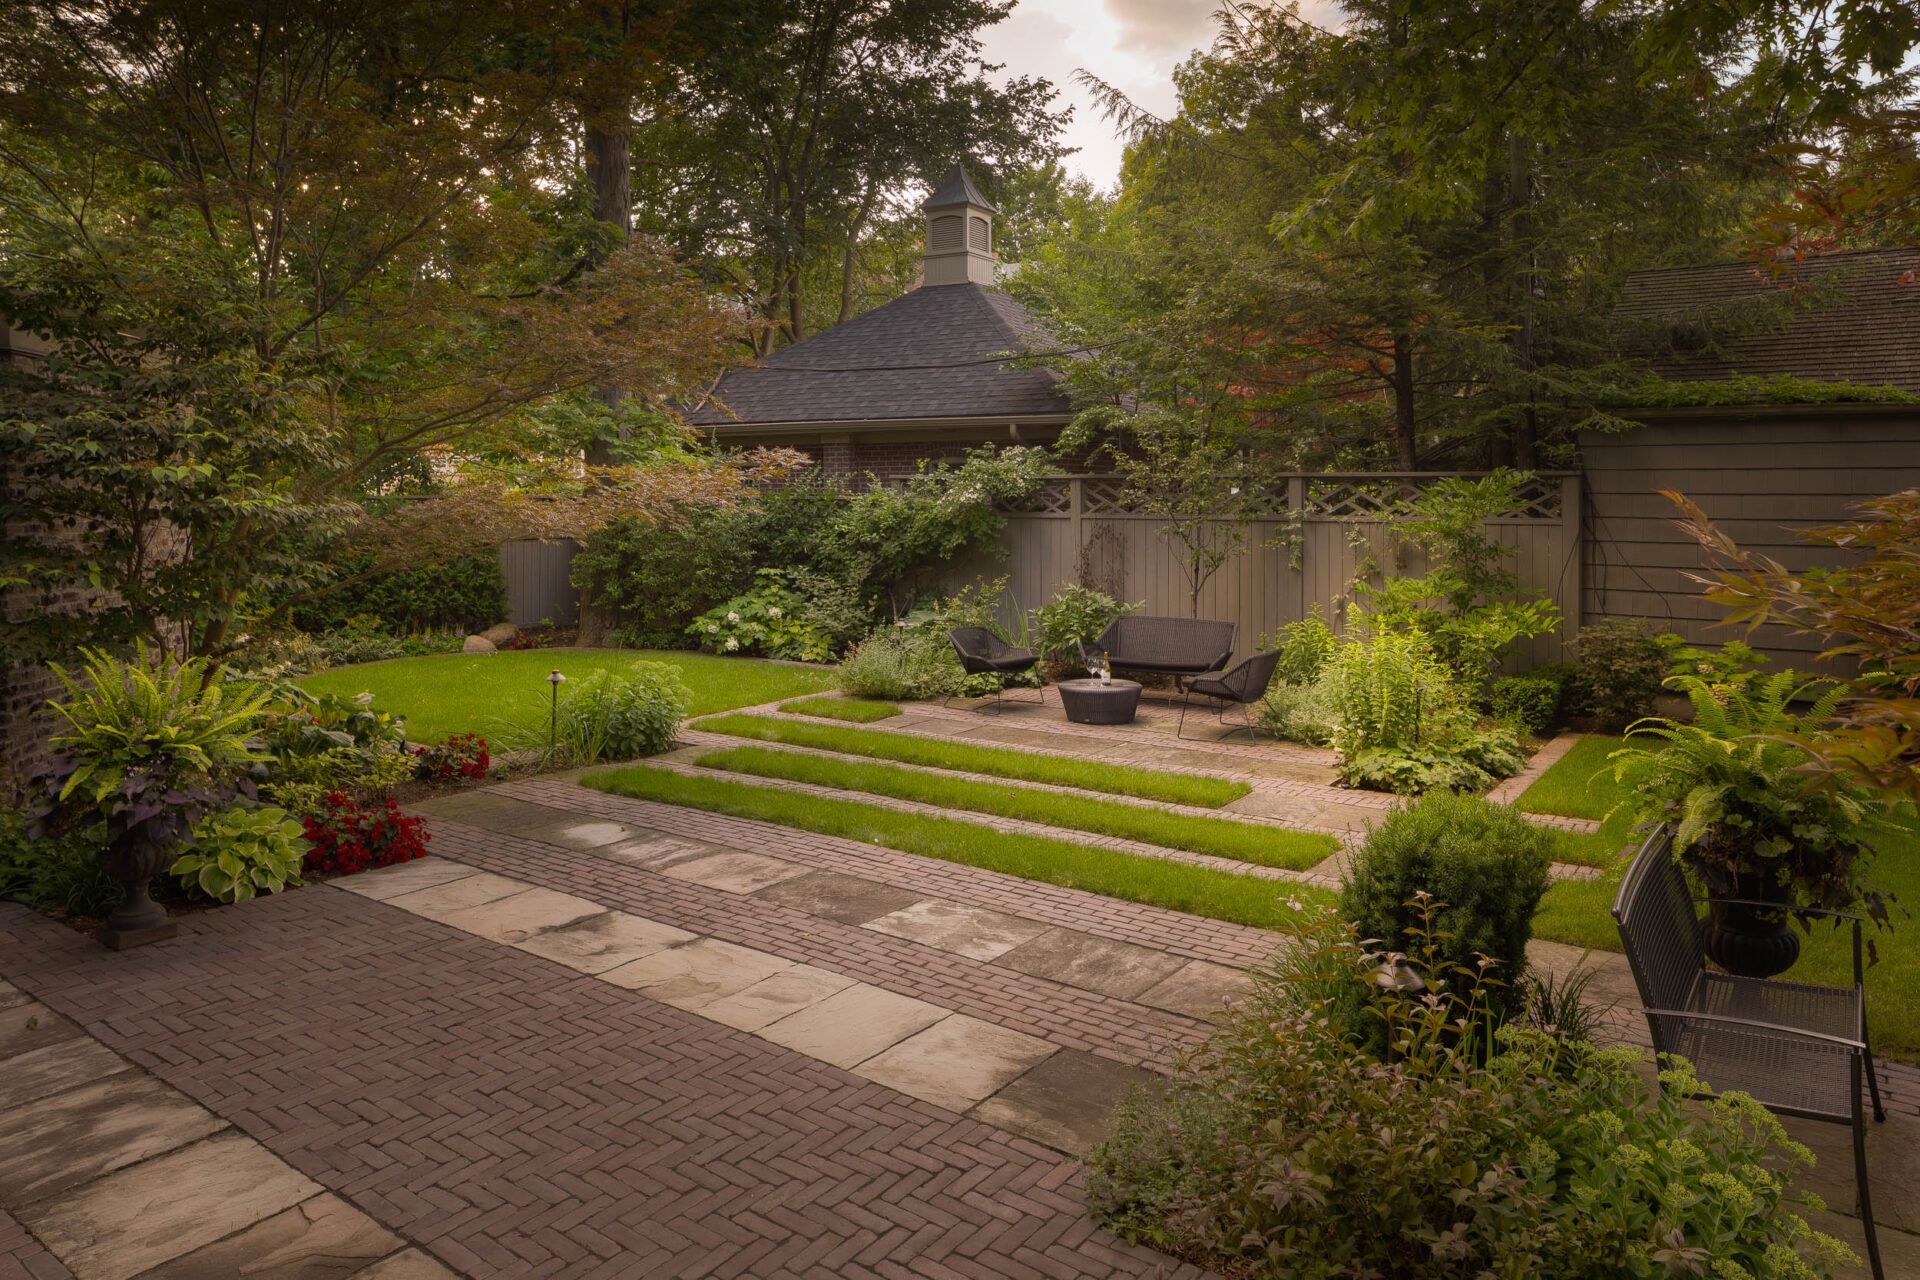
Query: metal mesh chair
[[1796, 1048], [1169, 646], [984, 653], [1243, 686]]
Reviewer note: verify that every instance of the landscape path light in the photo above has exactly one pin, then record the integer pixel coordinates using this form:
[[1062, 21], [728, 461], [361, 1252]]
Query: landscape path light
[[553, 717]]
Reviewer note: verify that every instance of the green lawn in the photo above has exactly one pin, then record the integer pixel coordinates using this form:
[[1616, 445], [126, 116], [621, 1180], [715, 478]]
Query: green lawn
[[1580, 912], [1220, 895], [858, 710], [471, 693], [1579, 785], [965, 757], [1223, 837]]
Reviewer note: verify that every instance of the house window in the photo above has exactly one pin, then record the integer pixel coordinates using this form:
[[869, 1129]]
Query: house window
[[946, 233], [977, 235]]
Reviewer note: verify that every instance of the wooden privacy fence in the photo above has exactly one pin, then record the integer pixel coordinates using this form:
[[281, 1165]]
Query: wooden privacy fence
[[1315, 533]]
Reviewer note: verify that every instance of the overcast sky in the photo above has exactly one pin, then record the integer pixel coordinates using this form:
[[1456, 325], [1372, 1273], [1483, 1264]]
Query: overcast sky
[[1131, 44]]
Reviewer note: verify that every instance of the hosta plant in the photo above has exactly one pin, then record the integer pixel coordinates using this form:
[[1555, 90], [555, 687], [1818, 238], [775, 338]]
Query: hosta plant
[[240, 851]]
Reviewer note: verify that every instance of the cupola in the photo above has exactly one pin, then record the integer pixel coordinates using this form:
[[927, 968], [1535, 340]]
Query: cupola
[[959, 233]]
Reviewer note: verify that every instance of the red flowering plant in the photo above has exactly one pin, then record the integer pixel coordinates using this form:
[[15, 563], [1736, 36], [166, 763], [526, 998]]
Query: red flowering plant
[[348, 837], [458, 755]]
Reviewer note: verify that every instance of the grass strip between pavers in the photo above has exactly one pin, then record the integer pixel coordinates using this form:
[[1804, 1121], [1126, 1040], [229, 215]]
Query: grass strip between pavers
[[1203, 891], [1223, 837], [858, 710], [1580, 784], [967, 757]]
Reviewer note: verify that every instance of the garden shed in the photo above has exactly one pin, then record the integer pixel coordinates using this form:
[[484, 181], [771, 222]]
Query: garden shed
[[922, 377], [1780, 448]]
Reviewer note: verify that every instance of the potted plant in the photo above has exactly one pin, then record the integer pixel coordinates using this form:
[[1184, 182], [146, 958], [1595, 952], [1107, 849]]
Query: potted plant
[[148, 748], [1755, 820]]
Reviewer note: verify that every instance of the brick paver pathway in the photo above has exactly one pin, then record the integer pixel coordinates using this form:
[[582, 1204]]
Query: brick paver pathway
[[517, 1118]]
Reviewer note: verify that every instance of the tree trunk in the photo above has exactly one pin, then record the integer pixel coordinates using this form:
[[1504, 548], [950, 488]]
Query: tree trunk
[[610, 176], [1405, 440], [851, 254], [1520, 194]]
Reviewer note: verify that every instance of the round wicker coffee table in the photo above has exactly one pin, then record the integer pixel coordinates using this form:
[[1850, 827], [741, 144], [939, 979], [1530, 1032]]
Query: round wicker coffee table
[[1095, 702]]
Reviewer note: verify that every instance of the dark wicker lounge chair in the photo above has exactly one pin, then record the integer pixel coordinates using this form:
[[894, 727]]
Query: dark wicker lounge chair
[[1164, 646], [984, 653], [1243, 686], [1796, 1048]]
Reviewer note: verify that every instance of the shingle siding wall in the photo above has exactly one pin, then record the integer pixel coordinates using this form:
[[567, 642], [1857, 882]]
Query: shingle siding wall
[[1759, 478]]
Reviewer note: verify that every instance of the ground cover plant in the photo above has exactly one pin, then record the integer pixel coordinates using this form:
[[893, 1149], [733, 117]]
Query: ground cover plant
[[857, 710], [1219, 895], [1579, 784], [1223, 837], [1000, 762], [472, 693], [1281, 1149]]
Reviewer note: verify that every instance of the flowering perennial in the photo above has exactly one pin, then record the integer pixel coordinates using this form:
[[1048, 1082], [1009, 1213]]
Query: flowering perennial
[[347, 838]]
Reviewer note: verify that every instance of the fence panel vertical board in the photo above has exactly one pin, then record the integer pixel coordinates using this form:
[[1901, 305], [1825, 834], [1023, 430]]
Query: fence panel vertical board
[[1285, 567], [539, 586]]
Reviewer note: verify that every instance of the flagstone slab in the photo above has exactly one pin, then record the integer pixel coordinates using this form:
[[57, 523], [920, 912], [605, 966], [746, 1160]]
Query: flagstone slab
[[1199, 988], [1093, 964], [56, 1068], [604, 941], [440, 900], [956, 1062], [974, 932], [698, 973], [853, 1025], [1066, 1101], [164, 1208], [655, 852], [573, 832], [410, 1265], [1330, 814], [735, 872], [519, 916], [29, 1026], [319, 1239], [386, 883], [842, 898], [11, 995], [61, 1141], [772, 999]]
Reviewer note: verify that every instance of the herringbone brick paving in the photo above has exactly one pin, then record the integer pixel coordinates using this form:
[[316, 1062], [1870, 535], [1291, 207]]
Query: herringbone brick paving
[[23, 1258], [1121, 1030], [520, 1120], [1174, 932]]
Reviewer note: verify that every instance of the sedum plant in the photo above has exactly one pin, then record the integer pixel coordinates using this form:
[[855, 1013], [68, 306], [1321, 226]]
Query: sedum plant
[[1281, 1150], [241, 851]]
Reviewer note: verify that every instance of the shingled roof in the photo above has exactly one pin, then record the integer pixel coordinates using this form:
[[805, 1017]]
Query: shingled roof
[[1841, 317], [921, 356]]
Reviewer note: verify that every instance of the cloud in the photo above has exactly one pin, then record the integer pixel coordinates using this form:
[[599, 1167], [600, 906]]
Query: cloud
[[1162, 30]]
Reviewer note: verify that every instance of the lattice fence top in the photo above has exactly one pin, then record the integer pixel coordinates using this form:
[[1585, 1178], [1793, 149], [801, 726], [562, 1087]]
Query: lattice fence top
[[1368, 496]]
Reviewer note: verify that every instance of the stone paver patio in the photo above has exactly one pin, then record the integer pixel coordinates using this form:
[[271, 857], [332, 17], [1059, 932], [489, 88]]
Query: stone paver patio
[[598, 1036]]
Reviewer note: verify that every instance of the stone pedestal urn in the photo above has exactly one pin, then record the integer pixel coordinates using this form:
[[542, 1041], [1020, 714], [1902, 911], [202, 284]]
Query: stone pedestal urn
[[138, 919]]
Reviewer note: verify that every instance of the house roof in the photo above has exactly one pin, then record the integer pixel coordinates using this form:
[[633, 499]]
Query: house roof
[[1840, 317], [957, 188], [921, 356]]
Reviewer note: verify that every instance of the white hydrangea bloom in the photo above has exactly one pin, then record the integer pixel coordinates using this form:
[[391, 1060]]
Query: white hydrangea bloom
[[732, 616], [732, 644]]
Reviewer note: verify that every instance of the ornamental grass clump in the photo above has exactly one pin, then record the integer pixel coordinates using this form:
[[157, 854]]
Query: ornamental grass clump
[[1281, 1149]]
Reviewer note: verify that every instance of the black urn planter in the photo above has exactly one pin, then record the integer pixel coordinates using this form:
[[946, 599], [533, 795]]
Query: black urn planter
[[138, 919], [1752, 942]]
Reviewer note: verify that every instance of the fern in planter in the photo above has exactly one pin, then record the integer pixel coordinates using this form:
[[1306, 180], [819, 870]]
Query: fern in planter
[[1741, 798]]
